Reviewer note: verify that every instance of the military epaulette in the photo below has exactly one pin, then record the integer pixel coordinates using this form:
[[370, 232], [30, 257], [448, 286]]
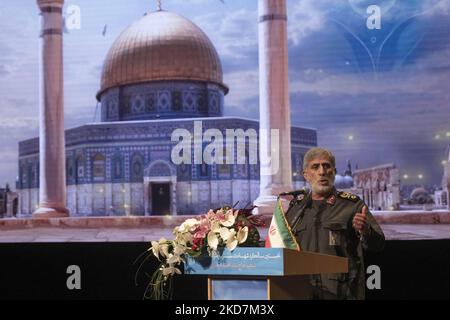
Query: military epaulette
[[348, 196]]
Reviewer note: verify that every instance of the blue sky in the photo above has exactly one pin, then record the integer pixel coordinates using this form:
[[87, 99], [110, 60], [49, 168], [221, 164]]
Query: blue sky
[[389, 88]]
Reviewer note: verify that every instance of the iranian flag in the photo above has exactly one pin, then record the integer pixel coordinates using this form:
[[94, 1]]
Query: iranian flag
[[280, 234]]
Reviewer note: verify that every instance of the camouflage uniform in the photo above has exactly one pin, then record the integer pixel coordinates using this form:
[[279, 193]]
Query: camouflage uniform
[[325, 226]]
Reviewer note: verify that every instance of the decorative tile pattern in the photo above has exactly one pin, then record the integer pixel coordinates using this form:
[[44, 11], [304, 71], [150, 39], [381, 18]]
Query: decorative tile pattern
[[101, 153], [138, 104]]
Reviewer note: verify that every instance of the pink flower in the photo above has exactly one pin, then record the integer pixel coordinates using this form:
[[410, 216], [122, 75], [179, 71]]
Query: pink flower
[[210, 214], [200, 234], [202, 229]]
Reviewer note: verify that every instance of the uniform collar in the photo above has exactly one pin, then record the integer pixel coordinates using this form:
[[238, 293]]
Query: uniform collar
[[330, 199]]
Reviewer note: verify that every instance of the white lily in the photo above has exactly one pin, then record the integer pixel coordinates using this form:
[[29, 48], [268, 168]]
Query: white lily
[[155, 248], [224, 233], [171, 270], [242, 235], [215, 226], [180, 240], [179, 249], [164, 250], [184, 238], [230, 218], [232, 241], [188, 225], [213, 240], [159, 246], [174, 259]]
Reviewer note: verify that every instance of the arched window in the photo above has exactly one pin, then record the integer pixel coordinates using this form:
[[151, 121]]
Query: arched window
[[203, 170], [242, 169], [98, 168], [79, 173], [224, 169], [297, 164], [117, 168], [137, 168], [184, 171], [31, 176], [70, 174], [24, 176]]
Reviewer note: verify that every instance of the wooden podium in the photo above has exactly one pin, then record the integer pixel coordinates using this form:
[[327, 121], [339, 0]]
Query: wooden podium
[[263, 273]]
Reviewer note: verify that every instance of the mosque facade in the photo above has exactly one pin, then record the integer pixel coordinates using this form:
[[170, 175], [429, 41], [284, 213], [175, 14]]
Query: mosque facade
[[161, 74]]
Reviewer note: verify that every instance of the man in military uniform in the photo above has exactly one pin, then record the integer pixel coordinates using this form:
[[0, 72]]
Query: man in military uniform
[[333, 222]]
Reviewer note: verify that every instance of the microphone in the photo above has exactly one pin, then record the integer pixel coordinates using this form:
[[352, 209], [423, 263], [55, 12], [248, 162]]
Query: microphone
[[292, 193]]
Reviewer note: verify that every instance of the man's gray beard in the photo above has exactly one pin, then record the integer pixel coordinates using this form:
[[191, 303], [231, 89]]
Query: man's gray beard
[[322, 190]]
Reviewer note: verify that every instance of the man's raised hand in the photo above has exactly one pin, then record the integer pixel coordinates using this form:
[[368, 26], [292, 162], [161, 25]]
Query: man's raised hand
[[360, 223]]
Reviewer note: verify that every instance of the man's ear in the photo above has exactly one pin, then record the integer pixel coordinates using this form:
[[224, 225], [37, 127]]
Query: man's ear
[[305, 175]]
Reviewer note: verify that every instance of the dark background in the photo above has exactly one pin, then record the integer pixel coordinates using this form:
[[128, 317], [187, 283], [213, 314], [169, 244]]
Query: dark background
[[409, 270]]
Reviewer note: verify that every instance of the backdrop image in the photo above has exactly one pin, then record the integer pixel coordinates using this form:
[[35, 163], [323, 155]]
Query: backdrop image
[[120, 120]]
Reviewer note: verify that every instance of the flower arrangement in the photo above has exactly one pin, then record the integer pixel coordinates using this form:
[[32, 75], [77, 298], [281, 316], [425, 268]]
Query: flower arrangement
[[207, 234]]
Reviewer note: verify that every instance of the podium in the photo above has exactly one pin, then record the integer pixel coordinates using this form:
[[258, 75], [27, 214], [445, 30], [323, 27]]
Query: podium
[[263, 273]]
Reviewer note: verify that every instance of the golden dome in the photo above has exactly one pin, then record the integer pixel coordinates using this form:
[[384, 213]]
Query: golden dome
[[161, 46]]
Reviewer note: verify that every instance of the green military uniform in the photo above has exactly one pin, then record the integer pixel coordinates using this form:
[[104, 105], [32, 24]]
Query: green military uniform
[[325, 226]]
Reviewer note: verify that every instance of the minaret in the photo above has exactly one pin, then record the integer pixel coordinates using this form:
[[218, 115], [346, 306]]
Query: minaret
[[52, 170], [274, 109], [348, 172]]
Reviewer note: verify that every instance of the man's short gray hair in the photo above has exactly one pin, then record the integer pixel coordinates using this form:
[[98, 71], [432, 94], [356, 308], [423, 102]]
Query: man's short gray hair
[[315, 153]]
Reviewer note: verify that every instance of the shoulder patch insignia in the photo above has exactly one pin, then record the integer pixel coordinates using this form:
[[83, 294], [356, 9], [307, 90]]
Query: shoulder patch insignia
[[348, 196]]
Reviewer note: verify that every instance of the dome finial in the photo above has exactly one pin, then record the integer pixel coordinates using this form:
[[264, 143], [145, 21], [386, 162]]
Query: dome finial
[[159, 5]]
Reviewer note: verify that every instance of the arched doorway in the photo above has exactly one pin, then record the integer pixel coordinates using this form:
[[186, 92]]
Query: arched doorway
[[160, 181]]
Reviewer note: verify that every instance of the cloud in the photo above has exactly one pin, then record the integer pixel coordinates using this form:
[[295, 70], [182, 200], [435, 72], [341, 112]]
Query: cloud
[[243, 86], [348, 84], [305, 17], [8, 167], [8, 123], [393, 114], [18, 39], [4, 70], [436, 7], [233, 33], [18, 83], [387, 127]]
